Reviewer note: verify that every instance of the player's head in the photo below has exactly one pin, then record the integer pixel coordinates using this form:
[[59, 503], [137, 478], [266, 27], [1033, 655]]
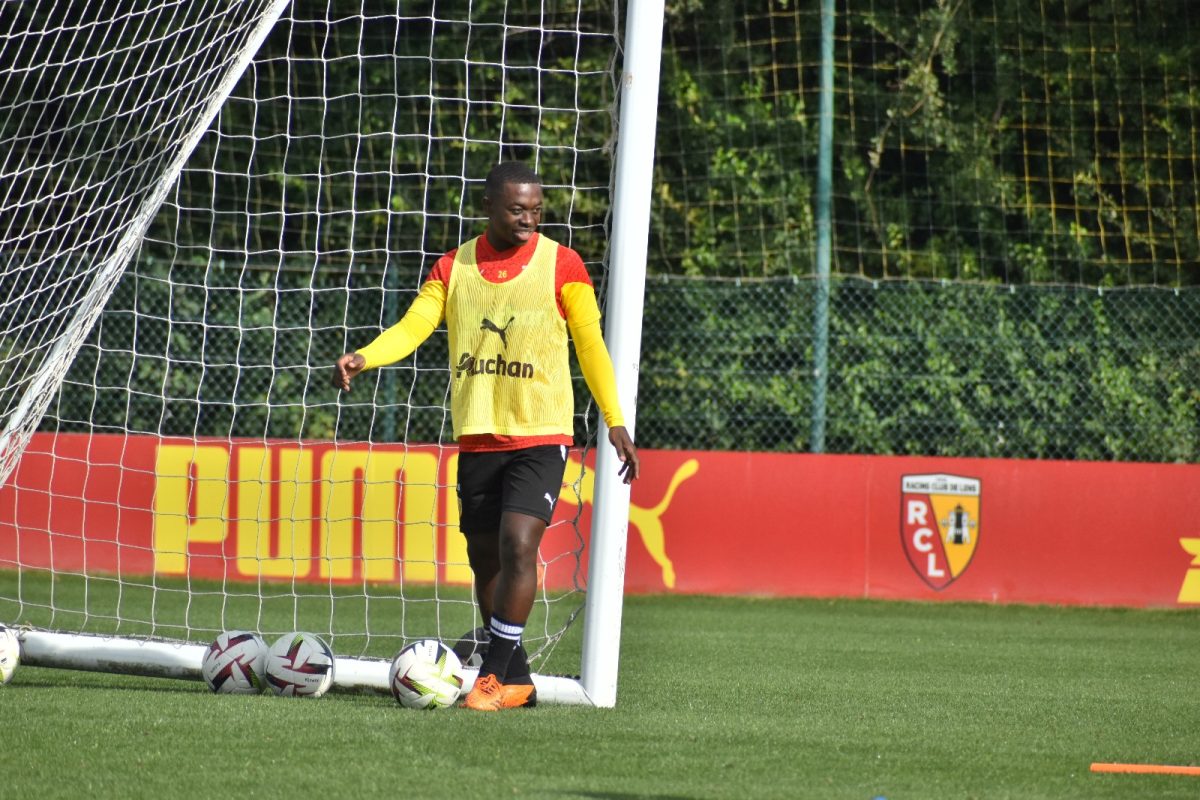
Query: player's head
[[507, 172], [512, 199]]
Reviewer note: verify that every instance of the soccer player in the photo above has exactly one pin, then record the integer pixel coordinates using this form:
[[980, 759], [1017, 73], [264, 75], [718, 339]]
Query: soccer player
[[509, 298]]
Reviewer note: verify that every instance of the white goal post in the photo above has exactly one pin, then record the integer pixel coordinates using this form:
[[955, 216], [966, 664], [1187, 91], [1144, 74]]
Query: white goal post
[[201, 199]]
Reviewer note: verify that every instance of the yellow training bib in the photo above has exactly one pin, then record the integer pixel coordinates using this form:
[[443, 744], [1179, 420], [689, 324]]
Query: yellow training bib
[[508, 349]]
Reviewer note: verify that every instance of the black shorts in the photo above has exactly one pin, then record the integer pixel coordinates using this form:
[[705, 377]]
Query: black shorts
[[525, 481]]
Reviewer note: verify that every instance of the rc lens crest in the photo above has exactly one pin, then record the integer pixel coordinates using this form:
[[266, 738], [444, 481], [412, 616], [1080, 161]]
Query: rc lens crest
[[939, 525]]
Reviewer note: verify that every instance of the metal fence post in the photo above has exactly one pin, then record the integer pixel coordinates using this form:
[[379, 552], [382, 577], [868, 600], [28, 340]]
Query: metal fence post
[[824, 218]]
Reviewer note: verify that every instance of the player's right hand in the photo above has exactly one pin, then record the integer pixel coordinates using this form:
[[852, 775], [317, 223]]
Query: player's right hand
[[345, 368]]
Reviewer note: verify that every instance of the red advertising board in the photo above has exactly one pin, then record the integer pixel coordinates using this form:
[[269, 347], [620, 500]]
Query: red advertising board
[[700, 522]]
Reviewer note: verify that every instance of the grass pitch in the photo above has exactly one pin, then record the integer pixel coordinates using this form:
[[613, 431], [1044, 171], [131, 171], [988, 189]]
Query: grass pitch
[[719, 698]]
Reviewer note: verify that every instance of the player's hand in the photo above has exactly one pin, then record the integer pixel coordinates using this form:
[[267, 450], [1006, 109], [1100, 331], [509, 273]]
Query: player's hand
[[630, 466], [345, 369]]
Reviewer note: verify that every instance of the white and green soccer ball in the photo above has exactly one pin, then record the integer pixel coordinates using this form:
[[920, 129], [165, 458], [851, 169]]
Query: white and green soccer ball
[[235, 663], [10, 653], [426, 674], [299, 665]]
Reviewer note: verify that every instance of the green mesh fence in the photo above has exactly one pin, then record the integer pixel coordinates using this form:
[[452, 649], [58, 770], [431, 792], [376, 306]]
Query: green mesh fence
[[924, 368], [916, 367]]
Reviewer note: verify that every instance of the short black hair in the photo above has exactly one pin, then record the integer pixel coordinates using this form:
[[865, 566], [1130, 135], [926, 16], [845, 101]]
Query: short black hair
[[508, 172]]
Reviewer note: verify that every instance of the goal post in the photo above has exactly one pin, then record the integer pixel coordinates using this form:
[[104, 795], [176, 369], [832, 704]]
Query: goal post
[[236, 194], [623, 332]]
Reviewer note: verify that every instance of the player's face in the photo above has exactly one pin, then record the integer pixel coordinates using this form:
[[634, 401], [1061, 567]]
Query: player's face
[[514, 215]]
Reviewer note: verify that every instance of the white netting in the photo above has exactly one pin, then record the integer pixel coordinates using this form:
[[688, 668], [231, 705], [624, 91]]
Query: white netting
[[186, 477], [100, 104]]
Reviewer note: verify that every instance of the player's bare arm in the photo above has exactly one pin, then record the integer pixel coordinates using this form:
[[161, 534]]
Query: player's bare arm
[[345, 368]]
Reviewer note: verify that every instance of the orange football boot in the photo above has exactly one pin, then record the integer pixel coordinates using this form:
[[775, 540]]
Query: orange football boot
[[489, 694]]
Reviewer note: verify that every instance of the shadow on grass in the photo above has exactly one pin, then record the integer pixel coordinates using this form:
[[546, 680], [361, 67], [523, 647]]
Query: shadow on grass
[[624, 796], [87, 680], [70, 679]]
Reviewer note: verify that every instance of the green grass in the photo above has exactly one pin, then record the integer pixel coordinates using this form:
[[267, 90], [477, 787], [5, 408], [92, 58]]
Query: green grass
[[719, 698]]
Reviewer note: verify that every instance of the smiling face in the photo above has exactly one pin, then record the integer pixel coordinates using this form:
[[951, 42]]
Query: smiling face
[[514, 215]]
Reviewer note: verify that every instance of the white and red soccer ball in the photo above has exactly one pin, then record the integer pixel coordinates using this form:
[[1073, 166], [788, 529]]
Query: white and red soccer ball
[[235, 663], [426, 674], [299, 665]]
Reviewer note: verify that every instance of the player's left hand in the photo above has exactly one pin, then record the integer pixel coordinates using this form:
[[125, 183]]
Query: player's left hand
[[345, 368], [623, 443]]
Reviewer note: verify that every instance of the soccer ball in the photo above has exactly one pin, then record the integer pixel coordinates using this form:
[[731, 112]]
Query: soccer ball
[[426, 674], [300, 665], [10, 653], [235, 662], [472, 648]]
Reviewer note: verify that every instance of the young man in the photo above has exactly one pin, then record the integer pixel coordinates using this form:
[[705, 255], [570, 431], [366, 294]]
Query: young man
[[509, 298]]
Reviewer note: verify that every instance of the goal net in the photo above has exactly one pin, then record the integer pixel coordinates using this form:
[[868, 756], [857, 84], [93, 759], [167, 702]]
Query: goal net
[[204, 205]]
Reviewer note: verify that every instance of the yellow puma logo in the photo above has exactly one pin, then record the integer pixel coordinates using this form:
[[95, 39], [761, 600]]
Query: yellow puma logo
[[1189, 592], [648, 521]]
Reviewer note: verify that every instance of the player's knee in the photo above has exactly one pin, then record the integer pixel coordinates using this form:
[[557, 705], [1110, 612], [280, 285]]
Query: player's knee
[[518, 550]]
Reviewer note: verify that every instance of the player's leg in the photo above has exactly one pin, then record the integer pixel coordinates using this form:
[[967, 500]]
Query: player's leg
[[480, 496], [516, 585], [532, 481], [531, 484], [480, 493], [515, 591], [483, 554], [504, 679]]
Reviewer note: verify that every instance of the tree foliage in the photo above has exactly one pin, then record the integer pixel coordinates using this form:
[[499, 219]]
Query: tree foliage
[[991, 140]]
